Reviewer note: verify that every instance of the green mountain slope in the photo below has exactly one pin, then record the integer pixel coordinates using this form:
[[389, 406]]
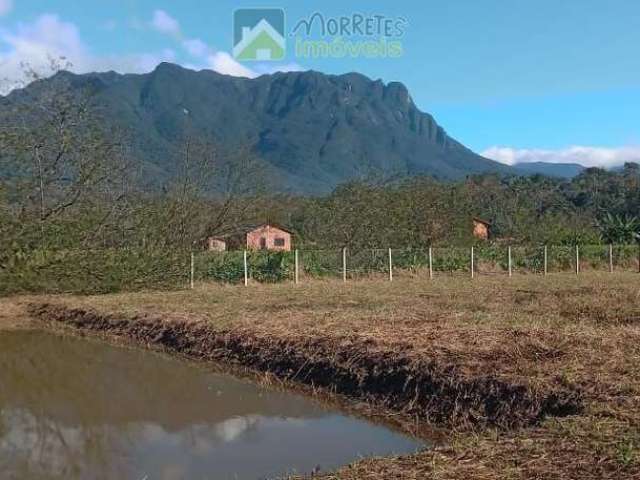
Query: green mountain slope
[[313, 130], [558, 170]]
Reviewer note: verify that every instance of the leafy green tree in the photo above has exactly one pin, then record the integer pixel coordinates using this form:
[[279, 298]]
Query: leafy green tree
[[619, 229]]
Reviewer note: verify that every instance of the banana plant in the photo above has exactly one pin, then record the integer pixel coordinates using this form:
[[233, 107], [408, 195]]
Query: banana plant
[[619, 229]]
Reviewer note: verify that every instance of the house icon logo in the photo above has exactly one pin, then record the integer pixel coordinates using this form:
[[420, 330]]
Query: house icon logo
[[258, 34]]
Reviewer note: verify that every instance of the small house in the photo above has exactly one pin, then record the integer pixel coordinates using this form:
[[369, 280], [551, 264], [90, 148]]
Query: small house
[[269, 237], [260, 237], [216, 244], [481, 229]]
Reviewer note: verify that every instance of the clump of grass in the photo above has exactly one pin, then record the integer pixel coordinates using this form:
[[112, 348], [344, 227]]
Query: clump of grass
[[627, 451]]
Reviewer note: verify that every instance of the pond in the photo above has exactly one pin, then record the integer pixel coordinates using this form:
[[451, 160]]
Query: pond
[[79, 409]]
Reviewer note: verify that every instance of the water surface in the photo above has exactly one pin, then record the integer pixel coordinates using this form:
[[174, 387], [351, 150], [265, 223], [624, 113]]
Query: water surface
[[79, 409]]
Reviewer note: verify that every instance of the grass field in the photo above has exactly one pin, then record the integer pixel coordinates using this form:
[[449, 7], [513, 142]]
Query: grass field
[[575, 335]]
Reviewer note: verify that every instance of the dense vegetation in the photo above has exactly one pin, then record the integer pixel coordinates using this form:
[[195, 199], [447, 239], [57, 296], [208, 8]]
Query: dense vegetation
[[76, 214], [596, 206], [142, 238]]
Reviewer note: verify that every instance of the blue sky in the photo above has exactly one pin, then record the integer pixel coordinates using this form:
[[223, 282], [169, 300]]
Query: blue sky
[[521, 80]]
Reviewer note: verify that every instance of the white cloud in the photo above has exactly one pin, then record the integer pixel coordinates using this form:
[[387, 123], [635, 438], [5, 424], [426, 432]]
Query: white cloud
[[232, 428], [49, 37], [587, 156], [165, 23], [207, 57], [5, 7], [195, 47], [219, 61], [222, 62]]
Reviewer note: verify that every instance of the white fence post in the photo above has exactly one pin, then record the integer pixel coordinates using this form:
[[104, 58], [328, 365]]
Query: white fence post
[[246, 270], [390, 267], [344, 264], [610, 258], [430, 263], [577, 260], [546, 261], [193, 271], [472, 263], [297, 266], [509, 261]]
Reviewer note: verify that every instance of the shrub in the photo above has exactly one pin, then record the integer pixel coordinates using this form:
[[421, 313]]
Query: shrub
[[270, 267], [93, 271]]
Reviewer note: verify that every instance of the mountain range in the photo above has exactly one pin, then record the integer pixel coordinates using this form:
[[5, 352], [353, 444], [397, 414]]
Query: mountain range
[[558, 170], [311, 130]]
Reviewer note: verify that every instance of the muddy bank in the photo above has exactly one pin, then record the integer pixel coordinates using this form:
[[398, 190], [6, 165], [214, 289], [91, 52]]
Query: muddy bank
[[14, 315], [425, 389]]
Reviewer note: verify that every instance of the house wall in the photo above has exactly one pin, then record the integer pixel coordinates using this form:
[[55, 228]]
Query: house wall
[[216, 245], [480, 230], [270, 234]]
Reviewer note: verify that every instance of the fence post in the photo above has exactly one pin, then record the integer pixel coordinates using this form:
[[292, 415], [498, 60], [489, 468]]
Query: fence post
[[610, 258], [390, 267], [546, 260], [193, 271], [509, 261], [472, 263], [344, 264], [577, 260], [430, 263], [246, 269], [296, 274]]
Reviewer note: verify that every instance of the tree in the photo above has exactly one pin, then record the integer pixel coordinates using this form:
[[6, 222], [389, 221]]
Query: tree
[[212, 194], [58, 157], [619, 229]]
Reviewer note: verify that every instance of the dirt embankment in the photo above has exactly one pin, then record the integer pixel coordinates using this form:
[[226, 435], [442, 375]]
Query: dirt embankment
[[426, 389], [14, 315]]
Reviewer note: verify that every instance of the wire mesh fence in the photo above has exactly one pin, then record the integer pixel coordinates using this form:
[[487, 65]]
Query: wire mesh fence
[[367, 263], [451, 260], [321, 263], [348, 264], [111, 270]]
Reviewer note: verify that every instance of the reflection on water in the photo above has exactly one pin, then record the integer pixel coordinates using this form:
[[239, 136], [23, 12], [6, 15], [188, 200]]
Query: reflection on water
[[72, 408]]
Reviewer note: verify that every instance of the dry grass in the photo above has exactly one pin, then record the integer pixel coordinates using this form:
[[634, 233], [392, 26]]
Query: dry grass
[[561, 332], [13, 315]]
